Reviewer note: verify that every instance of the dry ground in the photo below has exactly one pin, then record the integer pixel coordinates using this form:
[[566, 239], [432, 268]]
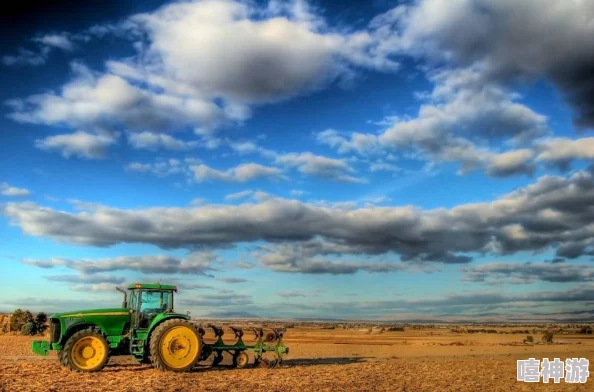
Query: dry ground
[[322, 360]]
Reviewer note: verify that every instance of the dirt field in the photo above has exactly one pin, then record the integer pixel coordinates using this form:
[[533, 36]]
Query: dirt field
[[323, 360]]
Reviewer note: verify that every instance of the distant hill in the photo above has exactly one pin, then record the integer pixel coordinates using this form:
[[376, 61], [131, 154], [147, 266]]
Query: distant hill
[[232, 315]]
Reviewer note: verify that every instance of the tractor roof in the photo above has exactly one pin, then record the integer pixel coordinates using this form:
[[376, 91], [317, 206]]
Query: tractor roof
[[154, 286]]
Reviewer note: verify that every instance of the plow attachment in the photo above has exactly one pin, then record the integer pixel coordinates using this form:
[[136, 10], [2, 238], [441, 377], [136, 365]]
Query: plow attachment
[[269, 342]]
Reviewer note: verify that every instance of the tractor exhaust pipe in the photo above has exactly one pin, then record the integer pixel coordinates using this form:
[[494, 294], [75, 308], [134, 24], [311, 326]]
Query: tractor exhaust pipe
[[125, 302]]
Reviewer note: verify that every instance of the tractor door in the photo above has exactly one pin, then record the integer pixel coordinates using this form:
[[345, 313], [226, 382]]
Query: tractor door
[[133, 305], [152, 303]]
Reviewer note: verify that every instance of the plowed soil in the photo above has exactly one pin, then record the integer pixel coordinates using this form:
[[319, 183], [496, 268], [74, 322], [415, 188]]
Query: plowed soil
[[321, 360]]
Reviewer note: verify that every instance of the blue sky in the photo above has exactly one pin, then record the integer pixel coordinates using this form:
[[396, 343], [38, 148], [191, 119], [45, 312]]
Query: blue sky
[[360, 160]]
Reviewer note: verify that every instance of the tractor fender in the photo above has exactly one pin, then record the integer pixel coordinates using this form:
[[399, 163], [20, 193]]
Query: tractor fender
[[165, 316], [74, 328]]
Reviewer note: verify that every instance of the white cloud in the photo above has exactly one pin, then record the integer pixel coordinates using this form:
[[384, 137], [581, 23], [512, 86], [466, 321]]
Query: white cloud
[[241, 173], [239, 195], [511, 162], [61, 41], [511, 40], [25, 57], [561, 150], [80, 144], [8, 190], [197, 263], [160, 168], [246, 54], [319, 166], [248, 147], [553, 213], [102, 102], [383, 166], [361, 143], [154, 141]]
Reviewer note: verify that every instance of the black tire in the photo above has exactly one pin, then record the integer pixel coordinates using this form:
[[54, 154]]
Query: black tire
[[241, 359], [67, 355], [146, 359], [158, 357]]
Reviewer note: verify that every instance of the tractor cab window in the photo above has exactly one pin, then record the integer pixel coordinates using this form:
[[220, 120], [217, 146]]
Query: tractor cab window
[[153, 303]]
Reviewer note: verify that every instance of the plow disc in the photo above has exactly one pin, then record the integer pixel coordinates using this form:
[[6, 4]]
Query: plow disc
[[270, 342]]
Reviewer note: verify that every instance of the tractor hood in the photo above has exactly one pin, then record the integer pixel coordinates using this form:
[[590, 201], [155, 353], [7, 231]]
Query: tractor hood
[[93, 312]]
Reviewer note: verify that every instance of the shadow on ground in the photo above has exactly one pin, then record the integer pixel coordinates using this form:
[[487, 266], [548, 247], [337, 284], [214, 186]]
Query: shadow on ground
[[322, 361], [298, 362]]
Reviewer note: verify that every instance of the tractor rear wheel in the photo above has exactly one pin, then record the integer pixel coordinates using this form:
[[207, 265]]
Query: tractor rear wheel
[[85, 351], [175, 346]]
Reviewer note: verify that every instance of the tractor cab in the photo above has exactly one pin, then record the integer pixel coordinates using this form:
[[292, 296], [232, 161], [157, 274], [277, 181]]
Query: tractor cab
[[146, 301]]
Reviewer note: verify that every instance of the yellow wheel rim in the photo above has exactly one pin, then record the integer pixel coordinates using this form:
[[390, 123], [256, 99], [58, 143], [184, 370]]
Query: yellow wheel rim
[[88, 352], [242, 359], [179, 347]]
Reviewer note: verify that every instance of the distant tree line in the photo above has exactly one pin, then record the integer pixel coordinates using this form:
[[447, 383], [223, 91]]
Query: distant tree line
[[26, 323]]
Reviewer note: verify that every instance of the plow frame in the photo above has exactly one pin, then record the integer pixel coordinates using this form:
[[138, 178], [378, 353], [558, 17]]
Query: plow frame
[[272, 342]]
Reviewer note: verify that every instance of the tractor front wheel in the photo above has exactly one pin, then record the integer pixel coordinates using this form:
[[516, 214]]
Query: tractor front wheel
[[85, 351], [175, 346]]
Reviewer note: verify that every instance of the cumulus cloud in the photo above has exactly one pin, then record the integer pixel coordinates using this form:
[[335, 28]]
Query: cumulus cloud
[[561, 151], [458, 121], [8, 190], [242, 173], [163, 167], [552, 213], [105, 101], [220, 299], [154, 141], [511, 162], [319, 166], [78, 144], [249, 54], [87, 278], [25, 57], [361, 143], [276, 261], [246, 54], [524, 273], [248, 147], [197, 263], [510, 39], [463, 105], [61, 41], [39, 55]]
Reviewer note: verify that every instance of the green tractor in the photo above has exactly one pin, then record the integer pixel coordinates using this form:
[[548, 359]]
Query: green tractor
[[147, 328]]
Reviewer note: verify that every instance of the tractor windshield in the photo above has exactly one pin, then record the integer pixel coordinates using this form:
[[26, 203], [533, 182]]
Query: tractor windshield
[[156, 301]]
